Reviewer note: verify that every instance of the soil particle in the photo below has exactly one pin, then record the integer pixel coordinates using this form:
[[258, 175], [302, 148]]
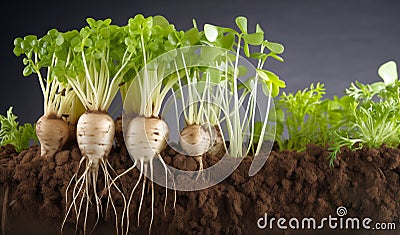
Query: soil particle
[[291, 184], [62, 157]]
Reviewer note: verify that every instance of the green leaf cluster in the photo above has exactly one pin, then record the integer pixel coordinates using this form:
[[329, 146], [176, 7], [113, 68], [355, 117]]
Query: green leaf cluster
[[372, 117], [242, 40], [13, 133], [305, 118], [367, 116]]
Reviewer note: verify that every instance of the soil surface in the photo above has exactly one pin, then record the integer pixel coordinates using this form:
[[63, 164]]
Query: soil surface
[[290, 185]]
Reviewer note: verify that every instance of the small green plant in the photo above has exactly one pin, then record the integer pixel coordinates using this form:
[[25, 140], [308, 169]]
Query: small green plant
[[13, 133], [373, 114], [43, 57], [236, 41], [305, 119]]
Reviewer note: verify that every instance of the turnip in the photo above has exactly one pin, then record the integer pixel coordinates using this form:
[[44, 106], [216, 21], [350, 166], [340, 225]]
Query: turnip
[[97, 59], [145, 133], [60, 106], [201, 112]]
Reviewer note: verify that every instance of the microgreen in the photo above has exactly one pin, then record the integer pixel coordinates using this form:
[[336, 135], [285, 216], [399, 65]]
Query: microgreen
[[305, 118], [240, 41], [148, 38], [43, 57], [12, 133], [372, 117]]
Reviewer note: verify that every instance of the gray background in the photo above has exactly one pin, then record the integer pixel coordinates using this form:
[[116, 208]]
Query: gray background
[[334, 42]]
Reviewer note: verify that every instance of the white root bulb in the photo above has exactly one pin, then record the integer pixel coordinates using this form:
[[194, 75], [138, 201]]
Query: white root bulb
[[95, 135], [52, 133], [195, 140], [146, 137]]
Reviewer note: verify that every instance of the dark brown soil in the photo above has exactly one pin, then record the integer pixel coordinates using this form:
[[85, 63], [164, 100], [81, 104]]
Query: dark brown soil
[[291, 184]]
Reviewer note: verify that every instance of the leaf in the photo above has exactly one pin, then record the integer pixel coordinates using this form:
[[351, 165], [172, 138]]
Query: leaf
[[87, 42], [91, 22], [266, 85], [17, 51], [227, 41], [105, 32], [76, 41], [27, 71], [107, 21], [211, 32], [274, 47], [246, 50], [258, 55], [241, 22], [259, 29], [12, 133], [160, 21], [18, 41], [276, 57], [388, 72], [254, 39], [242, 71], [60, 40], [377, 87], [100, 44], [271, 77], [192, 35]]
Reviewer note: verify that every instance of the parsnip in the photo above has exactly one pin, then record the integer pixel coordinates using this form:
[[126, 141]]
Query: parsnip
[[195, 141], [52, 133]]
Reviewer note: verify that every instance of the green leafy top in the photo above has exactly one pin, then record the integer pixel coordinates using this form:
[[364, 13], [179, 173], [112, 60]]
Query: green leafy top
[[148, 38], [90, 61], [232, 40], [12, 133], [238, 41], [305, 118], [43, 57], [385, 90]]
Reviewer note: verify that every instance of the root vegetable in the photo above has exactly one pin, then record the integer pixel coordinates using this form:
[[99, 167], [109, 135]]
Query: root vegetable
[[195, 141], [52, 133], [95, 135], [146, 138]]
